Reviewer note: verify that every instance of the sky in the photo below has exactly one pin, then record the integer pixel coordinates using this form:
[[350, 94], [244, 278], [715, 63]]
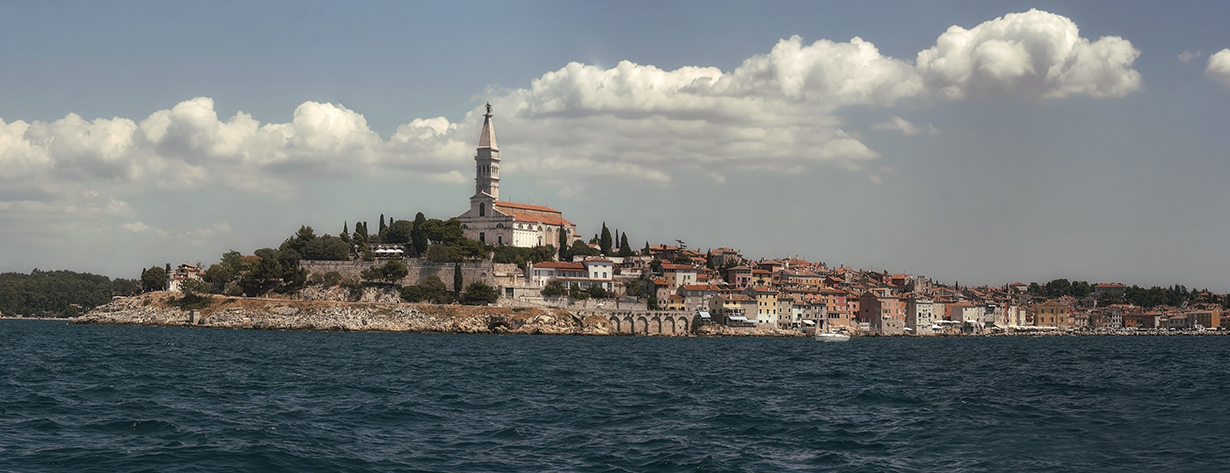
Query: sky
[[974, 142]]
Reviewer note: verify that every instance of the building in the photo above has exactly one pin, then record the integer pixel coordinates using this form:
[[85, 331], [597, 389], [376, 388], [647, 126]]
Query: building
[[919, 318], [881, 311], [586, 274], [184, 272], [1052, 313], [496, 222]]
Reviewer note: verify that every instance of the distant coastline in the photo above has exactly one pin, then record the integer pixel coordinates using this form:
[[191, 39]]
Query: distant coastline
[[154, 309]]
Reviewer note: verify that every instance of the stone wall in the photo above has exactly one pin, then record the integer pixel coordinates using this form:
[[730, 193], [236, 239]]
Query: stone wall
[[420, 269]]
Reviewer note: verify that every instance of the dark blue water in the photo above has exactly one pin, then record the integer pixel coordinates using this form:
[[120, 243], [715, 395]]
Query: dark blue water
[[100, 398]]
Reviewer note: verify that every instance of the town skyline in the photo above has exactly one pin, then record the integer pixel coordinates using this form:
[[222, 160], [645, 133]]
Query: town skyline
[[862, 142]]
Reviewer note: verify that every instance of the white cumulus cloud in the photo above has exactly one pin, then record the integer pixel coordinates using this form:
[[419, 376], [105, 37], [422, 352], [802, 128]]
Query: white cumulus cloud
[[1030, 54], [1219, 67], [776, 112]]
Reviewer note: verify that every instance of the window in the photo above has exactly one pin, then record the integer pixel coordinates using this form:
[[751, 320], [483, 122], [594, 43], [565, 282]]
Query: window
[[482, 210]]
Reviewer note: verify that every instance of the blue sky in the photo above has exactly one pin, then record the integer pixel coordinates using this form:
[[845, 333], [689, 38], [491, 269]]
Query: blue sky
[[983, 142]]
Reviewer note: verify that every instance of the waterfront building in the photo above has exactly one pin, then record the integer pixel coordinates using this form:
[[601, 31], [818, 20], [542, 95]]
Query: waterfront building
[[1052, 313], [919, 317], [881, 311], [496, 222]]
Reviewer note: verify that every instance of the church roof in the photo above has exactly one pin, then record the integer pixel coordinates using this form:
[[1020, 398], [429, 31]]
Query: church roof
[[532, 213], [487, 138], [519, 206]]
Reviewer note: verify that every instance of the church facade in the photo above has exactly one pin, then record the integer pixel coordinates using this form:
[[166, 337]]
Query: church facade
[[495, 222]]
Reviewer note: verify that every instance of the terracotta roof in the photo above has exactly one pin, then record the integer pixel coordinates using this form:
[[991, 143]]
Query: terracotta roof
[[687, 267], [517, 211], [532, 218], [561, 265]]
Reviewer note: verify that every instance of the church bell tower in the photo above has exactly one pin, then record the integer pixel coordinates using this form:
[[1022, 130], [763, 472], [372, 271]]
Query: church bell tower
[[487, 161]]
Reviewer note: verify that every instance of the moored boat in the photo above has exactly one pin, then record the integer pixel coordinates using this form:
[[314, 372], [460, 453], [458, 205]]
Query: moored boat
[[832, 337]]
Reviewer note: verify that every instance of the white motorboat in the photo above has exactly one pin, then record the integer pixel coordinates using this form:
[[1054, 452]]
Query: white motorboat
[[832, 337]]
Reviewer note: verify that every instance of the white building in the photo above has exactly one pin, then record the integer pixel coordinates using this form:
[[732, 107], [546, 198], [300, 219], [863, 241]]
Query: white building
[[588, 273], [920, 316], [496, 222]]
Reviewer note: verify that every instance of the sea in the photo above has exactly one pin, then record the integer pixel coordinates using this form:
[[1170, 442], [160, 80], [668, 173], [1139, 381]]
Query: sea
[[82, 398]]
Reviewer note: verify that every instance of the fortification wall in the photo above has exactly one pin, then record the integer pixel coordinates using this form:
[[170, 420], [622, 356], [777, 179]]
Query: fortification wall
[[420, 269]]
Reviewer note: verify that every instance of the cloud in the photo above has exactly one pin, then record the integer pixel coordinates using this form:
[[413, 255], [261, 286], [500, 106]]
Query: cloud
[[904, 127], [1030, 54], [1219, 67], [778, 112], [1187, 56]]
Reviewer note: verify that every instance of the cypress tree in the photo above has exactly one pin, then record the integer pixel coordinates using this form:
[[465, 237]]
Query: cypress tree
[[418, 236], [382, 225], [604, 242], [564, 251], [457, 279], [624, 249]]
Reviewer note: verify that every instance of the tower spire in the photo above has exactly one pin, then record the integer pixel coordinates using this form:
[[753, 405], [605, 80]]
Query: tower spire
[[487, 138], [487, 160]]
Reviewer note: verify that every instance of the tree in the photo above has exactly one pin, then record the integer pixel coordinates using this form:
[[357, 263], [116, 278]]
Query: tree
[[597, 292], [412, 294], [479, 293], [553, 289], [438, 254], [382, 225], [604, 241], [195, 294], [579, 248], [632, 288], [458, 280], [565, 253], [418, 235], [624, 249], [154, 279], [576, 293], [390, 272], [400, 231], [435, 291]]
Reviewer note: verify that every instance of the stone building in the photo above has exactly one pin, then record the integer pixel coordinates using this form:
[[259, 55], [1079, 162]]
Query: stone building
[[500, 223]]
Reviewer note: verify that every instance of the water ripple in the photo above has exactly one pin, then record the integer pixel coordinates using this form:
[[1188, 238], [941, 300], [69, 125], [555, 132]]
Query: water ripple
[[184, 400]]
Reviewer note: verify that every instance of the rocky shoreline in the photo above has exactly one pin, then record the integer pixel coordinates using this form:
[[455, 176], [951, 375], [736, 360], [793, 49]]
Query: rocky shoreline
[[159, 309]]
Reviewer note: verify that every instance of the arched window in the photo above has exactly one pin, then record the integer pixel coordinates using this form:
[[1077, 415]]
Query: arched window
[[482, 210]]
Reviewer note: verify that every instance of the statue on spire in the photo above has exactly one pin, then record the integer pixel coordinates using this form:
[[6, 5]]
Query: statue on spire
[[488, 108]]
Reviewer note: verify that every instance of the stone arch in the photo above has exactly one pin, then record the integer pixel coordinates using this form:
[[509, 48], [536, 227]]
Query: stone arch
[[655, 325], [681, 325], [641, 325], [615, 323]]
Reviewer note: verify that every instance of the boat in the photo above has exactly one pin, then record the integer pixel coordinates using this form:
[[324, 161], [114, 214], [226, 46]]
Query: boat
[[825, 333], [832, 337]]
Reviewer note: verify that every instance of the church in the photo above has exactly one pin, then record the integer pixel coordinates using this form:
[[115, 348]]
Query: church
[[495, 222]]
